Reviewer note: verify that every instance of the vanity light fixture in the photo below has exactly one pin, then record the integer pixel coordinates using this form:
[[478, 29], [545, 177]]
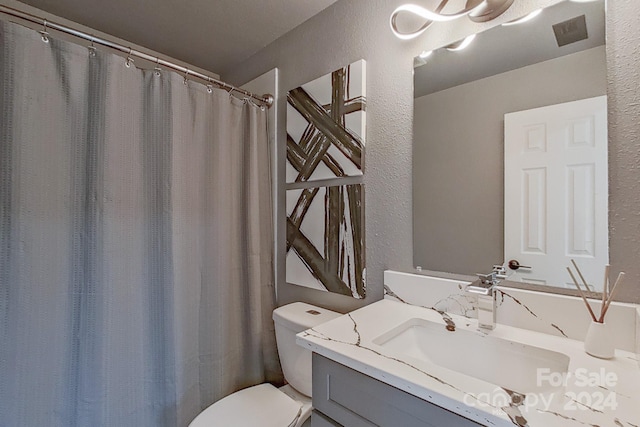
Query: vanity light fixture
[[476, 10], [462, 44], [524, 19]]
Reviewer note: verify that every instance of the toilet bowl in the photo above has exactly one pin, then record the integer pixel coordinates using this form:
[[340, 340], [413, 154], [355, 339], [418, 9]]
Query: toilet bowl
[[265, 405]]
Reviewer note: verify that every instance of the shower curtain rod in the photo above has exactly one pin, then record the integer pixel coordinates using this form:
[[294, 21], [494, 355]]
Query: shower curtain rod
[[266, 100]]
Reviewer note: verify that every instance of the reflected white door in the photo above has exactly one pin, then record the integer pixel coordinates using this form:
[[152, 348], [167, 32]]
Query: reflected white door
[[556, 191]]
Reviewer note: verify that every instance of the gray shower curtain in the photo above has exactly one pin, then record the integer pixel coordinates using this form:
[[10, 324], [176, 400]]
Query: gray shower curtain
[[136, 282]]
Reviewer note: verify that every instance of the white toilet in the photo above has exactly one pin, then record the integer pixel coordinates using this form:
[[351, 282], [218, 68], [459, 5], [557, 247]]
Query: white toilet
[[264, 405]]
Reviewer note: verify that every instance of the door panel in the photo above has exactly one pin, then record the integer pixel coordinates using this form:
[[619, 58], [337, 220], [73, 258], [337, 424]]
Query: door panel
[[556, 191]]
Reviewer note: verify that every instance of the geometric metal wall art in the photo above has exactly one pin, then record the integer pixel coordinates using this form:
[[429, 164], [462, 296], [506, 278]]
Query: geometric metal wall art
[[325, 239], [326, 126]]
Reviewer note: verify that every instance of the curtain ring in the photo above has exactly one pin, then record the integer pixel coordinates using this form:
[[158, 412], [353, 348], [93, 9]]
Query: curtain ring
[[44, 33], [230, 89], [129, 60], [157, 69], [209, 86], [186, 74], [250, 101], [92, 48]]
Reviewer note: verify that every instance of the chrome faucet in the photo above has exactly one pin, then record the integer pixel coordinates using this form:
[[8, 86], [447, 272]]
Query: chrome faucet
[[484, 288]]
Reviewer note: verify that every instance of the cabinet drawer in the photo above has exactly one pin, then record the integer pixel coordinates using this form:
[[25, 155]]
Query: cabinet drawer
[[357, 400]]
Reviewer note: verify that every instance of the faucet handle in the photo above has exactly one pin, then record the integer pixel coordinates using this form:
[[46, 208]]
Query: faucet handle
[[488, 279], [500, 271], [484, 285]]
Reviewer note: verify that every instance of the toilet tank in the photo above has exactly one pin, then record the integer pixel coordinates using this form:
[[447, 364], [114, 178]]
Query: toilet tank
[[289, 320]]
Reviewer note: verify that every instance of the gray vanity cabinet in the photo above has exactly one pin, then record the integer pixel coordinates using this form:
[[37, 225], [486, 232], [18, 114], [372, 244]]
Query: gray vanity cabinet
[[319, 420], [344, 397]]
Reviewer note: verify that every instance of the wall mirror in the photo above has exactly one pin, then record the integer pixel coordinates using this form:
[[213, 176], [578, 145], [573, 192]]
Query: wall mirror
[[510, 134]]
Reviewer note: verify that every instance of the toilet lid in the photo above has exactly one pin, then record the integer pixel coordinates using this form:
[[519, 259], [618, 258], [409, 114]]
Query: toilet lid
[[261, 405]]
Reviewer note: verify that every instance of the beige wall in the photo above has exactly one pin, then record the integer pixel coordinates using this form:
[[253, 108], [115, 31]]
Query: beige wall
[[354, 29]]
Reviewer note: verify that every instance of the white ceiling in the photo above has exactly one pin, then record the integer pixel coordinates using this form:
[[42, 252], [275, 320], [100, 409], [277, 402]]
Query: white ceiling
[[212, 34]]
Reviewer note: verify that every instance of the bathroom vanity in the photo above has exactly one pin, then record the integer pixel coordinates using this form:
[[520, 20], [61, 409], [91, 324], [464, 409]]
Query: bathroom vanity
[[392, 363], [345, 397]]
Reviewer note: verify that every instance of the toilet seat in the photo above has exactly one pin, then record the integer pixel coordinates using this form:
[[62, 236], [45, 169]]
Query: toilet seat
[[261, 405]]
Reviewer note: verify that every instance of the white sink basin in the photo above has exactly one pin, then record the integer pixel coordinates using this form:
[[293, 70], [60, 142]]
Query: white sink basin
[[511, 365]]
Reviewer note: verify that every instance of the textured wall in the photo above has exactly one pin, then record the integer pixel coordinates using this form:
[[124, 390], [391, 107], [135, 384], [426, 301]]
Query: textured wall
[[623, 88], [354, 29]]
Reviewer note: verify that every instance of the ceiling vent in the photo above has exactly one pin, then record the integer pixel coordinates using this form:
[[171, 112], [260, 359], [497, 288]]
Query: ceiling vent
[[571, 31]]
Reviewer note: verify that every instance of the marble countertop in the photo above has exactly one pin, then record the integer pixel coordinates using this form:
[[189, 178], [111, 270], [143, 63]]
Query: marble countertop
[[596, 392]]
